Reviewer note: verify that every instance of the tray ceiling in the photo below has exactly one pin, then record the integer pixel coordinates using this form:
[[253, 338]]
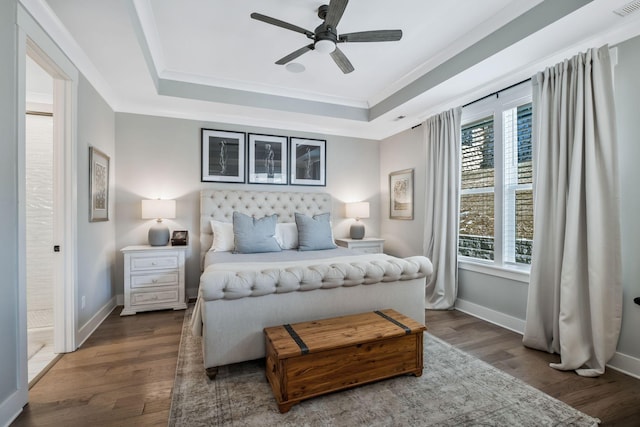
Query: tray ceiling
[[208, 60]]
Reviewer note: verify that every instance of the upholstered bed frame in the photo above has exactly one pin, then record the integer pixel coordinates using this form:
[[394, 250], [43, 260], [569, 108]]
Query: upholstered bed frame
[[220, 205], [232, 328]]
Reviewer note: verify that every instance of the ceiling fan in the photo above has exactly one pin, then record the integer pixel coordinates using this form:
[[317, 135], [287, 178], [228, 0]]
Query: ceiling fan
[[325, 37]]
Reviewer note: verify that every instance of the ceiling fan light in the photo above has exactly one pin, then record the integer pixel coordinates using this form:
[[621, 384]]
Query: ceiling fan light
[[325, 46]]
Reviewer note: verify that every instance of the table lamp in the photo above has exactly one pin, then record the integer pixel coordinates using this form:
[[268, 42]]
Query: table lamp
[[357, 210], [158, 209]]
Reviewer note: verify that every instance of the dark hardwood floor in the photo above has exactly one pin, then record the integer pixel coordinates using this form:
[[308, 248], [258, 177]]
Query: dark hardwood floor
[[123, 374], [614, 398]]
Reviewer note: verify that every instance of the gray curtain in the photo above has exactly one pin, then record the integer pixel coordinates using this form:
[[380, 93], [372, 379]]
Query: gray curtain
[[442, 139], [574, 306]]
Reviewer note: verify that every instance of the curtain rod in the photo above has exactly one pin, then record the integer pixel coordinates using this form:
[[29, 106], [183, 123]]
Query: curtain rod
[[487, 96], [497, 92]]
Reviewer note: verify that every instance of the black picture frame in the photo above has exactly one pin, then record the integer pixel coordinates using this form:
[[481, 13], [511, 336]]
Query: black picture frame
[[267, 159], [308, 161], [222, 156]]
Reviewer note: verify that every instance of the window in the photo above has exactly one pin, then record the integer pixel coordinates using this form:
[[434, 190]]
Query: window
[[496, 197]]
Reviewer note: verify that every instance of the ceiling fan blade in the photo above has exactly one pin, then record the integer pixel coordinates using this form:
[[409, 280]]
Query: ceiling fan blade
[[342, 61], [295, 54], [282, 24], [334, 14], [371, 36]]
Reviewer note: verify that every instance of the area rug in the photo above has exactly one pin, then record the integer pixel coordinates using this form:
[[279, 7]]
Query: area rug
[[455, 389]]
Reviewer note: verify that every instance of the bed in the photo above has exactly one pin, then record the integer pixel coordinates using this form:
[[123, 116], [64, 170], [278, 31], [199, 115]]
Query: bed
[[241, 294]]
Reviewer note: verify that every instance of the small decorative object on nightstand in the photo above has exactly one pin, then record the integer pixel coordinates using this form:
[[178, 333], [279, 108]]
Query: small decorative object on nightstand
[[153, 278], [357, 210], [368, 245], [180, 238]]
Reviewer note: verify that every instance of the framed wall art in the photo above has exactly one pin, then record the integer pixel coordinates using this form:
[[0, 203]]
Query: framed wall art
[[308, 161], [268, 157], [401, 194], [223, 156], [98, 185]]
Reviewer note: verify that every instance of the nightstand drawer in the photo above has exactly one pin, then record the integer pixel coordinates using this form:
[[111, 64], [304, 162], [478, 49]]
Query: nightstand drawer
[[369, 249], [148, 280], [141, 263], [369, 245], [143, 298]]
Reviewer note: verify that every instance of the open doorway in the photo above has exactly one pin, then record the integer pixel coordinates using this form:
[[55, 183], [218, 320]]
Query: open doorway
[[40, 207], [49, 212]]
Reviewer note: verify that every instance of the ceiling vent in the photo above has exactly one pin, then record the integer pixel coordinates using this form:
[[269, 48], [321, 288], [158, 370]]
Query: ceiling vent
[[628, 8]]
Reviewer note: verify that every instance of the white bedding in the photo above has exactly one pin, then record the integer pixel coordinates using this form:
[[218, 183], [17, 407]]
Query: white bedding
[[213, 257]]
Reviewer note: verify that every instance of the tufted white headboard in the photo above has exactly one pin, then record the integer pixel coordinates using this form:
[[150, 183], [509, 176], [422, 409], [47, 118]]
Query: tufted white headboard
[[220, 205]]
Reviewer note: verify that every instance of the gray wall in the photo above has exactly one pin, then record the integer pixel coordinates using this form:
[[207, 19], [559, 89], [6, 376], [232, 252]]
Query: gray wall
[[627, 89], [403, 151], [96, 240], [160, 158], [507, 296], [9, 211], [497, 293]]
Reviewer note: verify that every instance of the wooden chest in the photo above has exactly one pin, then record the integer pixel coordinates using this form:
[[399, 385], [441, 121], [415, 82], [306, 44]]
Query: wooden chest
[[313, 358]]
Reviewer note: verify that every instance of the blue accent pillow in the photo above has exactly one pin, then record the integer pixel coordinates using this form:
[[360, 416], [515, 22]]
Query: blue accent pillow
[[253, 235], [314, 233]]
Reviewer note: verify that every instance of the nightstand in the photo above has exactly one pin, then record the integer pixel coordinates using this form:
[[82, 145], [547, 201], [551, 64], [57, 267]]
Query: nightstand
[[153, 278], [369, 245]]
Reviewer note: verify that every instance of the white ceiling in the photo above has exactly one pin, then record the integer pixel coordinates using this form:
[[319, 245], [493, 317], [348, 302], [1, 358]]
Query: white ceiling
[[208, 60]]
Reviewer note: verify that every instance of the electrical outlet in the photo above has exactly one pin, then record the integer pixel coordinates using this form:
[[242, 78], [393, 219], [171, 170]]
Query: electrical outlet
[[83, 302]]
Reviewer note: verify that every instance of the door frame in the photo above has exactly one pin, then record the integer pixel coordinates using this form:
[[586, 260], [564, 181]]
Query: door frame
[[35, 43]]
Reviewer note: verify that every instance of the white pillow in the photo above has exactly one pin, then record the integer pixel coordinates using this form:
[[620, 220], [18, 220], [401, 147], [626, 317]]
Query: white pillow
[[287, 235], [222, 236]]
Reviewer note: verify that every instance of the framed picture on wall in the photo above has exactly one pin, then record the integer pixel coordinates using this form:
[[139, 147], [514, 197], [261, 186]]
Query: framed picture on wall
[[98, 185], [268, 157], [222, 156], [401, 194], [308, 161]]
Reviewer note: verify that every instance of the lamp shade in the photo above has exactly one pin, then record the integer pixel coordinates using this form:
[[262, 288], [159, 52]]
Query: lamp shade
[[357, 210], [158, 209]]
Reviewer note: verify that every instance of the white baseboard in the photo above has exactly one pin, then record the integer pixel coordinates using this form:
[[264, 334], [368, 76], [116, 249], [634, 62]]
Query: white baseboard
[[492, 316], [88, 328], [626, 364], [621, 362], [12, 406]]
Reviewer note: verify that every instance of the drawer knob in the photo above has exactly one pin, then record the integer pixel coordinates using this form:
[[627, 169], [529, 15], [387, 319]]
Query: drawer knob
[[154, 281], [153, 263]]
